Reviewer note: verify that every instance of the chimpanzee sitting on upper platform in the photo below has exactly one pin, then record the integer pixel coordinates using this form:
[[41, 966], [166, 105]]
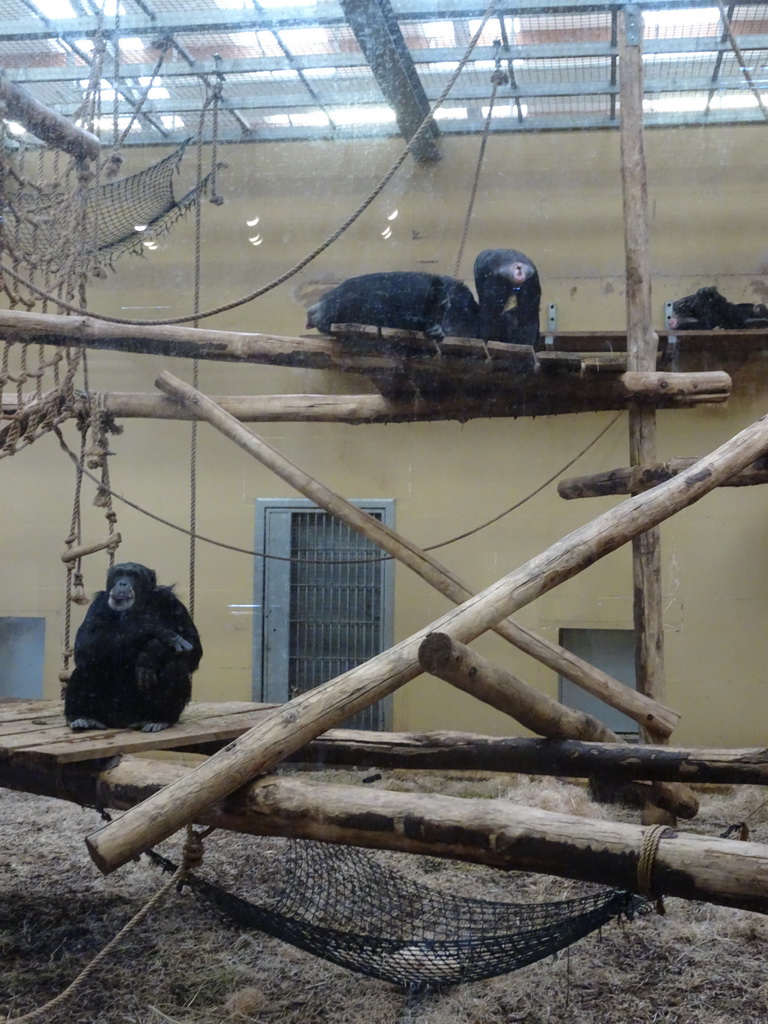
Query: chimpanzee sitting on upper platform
[[134, 656], [708, 309]]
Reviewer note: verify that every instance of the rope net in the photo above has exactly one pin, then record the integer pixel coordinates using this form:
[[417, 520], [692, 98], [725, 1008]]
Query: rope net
[[38, 233], [55, 235], [342, 904], [27, 414]]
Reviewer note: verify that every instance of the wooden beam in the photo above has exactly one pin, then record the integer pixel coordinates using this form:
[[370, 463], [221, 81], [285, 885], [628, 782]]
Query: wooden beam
[[306, 716], [633, 479], [652, 386], [641, 349], [460, 751], [44, 123], [599, 684], [460, 665], [493, 832], [685, 390]]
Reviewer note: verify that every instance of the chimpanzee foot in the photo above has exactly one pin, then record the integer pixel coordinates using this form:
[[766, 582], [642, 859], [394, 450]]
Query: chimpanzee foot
[[78, 724], [149, 726]]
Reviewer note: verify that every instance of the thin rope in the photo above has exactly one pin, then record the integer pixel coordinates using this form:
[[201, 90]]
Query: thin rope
[[512, 508], [741, 59], [420, 132], [351, 561], [499, 77]]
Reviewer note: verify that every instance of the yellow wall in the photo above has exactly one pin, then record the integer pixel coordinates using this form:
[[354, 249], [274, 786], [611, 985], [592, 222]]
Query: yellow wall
[[557, 197]]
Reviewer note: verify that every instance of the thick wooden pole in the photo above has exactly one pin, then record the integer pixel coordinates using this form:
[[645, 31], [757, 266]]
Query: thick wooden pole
[[460, 665], [44, 123], [598, 683], [299, 720], [493, 832], [641, 350]]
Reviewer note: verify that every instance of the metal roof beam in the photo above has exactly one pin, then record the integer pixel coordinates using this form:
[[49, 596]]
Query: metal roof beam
[[510, 126], [378, 33], [250, 65], [328, 13]]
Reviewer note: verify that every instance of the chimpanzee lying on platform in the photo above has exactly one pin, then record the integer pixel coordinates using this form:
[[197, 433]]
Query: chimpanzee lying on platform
[[708, 309], [134, 656], [507, 286]]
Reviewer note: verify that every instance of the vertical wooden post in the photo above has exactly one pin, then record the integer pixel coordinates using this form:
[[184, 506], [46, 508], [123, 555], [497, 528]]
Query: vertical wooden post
[[641, 351]]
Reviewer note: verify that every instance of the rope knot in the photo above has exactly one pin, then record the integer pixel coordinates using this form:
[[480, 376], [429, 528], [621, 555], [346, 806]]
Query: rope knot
[[647, 858], [193, 851]]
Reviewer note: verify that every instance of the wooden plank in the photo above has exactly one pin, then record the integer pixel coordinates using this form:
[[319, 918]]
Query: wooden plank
[[54, 741], [12, 709], [560, 362]]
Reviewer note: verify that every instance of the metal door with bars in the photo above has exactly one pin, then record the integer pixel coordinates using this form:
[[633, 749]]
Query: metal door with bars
[[315, 617]]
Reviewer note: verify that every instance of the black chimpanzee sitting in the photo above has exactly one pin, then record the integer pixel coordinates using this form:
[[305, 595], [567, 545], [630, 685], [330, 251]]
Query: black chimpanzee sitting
[[134, 656], [506, 309], [707, 309]]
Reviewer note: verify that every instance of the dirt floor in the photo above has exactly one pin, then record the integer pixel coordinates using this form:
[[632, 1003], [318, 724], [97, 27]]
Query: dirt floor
[[186, 965]]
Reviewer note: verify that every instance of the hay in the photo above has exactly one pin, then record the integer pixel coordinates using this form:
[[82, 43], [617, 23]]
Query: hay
[[185, 965]]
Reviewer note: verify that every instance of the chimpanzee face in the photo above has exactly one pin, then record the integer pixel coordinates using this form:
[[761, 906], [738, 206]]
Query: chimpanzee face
[[127, 584]]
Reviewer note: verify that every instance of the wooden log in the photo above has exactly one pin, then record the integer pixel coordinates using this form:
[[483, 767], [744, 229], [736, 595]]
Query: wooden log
[[492, 832], [642, 346], [301, 719], [458, 751], [706, 386], [599, 684], [108, 544], [44, 123], [168, 340], [633, 479], [460, 665]]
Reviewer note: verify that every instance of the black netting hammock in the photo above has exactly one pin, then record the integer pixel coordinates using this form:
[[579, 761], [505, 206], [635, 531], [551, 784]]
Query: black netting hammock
[[339, 903]]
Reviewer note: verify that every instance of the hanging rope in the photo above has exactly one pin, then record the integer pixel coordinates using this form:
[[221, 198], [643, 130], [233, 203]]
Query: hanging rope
[[499, 77], [421, 131]]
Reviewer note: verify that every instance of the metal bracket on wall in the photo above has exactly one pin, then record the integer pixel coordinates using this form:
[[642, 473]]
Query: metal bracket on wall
[[549, 341], [671, 353], [633, 25]]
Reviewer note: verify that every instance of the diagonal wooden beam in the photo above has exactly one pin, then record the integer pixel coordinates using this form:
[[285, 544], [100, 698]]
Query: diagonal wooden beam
[[302, 719], [647, 713]]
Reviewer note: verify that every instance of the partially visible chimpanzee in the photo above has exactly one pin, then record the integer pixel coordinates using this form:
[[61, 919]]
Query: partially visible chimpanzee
[[509, 296], [134, 656], [409, 300], [508, 291], [708, 309]]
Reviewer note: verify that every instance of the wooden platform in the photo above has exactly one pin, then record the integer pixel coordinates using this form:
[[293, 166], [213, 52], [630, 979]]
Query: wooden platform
[[421, 379], [35, 731]]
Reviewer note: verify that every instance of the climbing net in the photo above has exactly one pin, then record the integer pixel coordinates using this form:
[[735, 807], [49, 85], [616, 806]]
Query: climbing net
[[55, 235]]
